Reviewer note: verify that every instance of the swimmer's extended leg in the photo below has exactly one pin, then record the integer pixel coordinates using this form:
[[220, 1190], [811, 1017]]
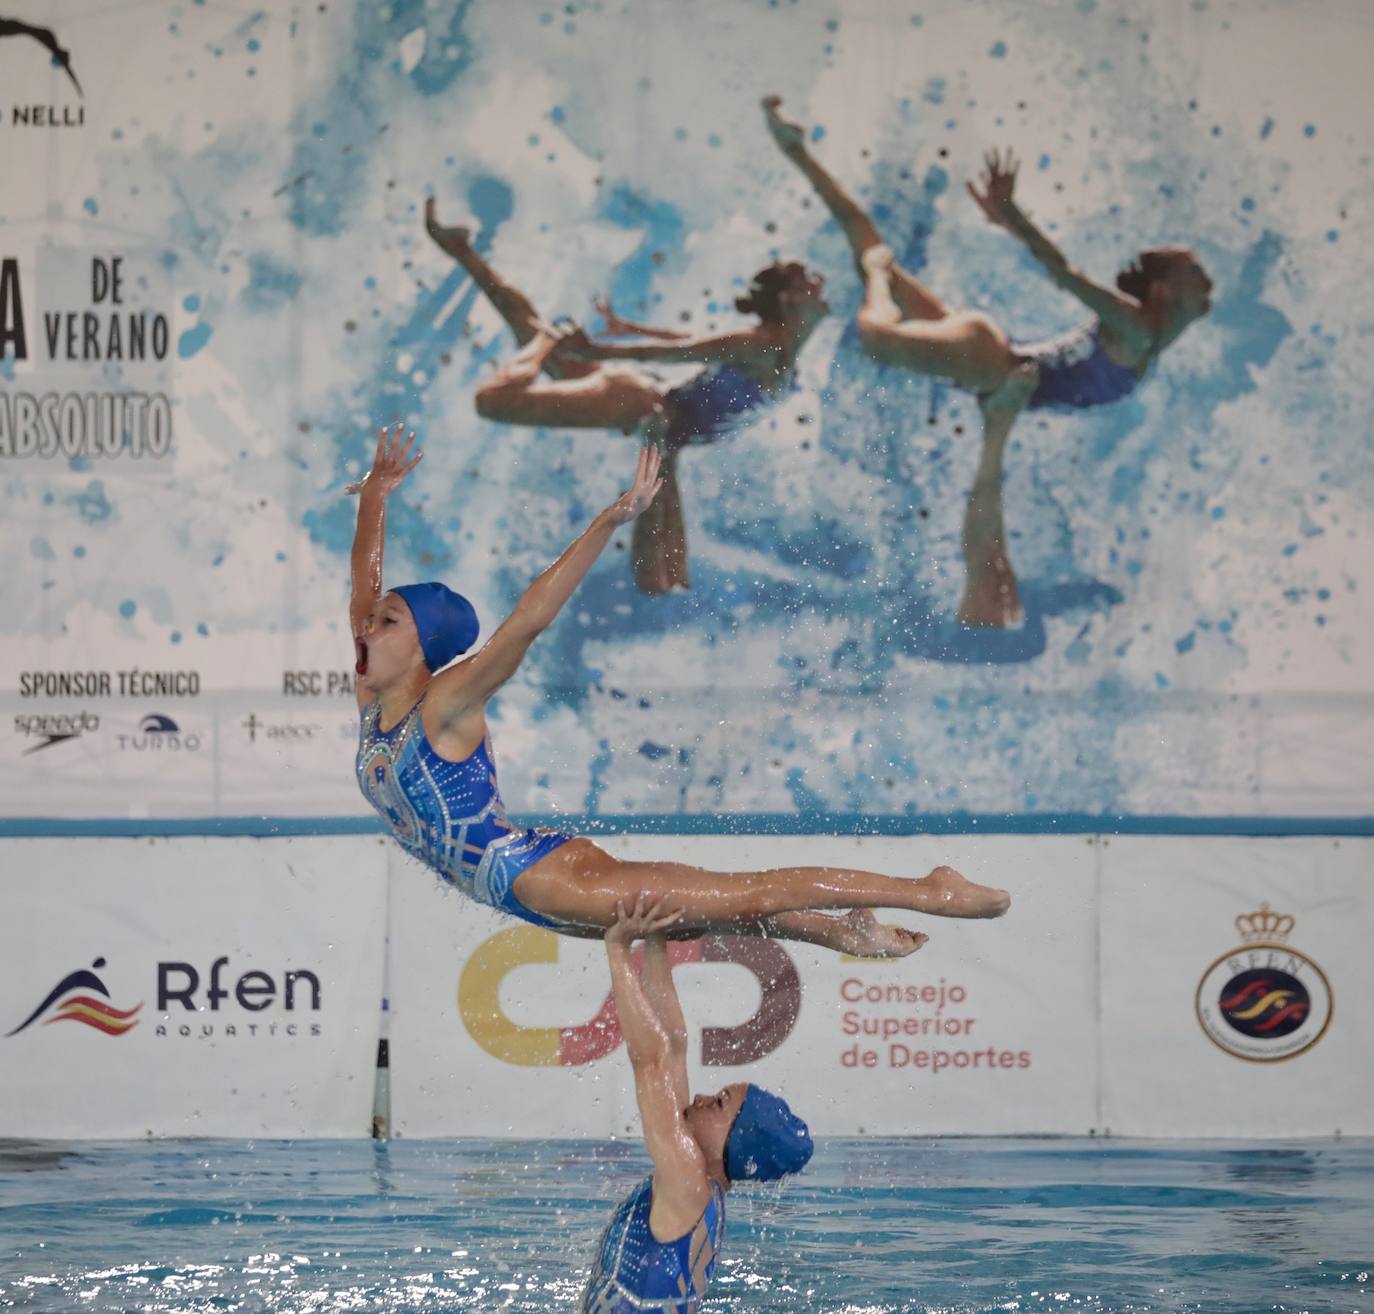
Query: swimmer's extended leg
[[658, 544], [915, 300], [969, 349], [858, 933], [605, 398], [511, 304], [582, 883], [991, 597]]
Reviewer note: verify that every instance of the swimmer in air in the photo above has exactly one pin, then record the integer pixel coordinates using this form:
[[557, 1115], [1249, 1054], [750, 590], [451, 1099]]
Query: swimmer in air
[[903, 323], [425, 763], [590, 384]]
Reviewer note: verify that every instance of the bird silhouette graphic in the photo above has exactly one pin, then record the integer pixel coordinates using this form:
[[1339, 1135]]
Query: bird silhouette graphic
[[12, 27]]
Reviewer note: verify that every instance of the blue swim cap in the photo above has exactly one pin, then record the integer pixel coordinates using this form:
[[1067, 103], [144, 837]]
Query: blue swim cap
[[767, 1141], [445, 620]]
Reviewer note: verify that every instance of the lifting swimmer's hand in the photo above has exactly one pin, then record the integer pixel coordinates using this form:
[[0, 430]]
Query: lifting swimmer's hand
[[996, 198], [647, 918], [391, 463], [645, 488]]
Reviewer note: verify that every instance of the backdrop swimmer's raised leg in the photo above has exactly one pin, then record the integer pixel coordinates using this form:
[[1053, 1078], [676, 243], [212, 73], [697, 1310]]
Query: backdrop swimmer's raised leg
[[915, 300], [511, 303], [582, 883], [455, 241], [658, 545], [991, 597]]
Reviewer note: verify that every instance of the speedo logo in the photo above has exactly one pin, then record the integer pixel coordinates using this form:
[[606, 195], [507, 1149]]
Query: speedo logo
[[51, 728]]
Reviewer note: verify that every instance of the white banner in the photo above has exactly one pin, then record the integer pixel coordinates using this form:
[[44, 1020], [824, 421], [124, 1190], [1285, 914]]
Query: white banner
[[190, 987], [502, 1029], [1148, 986], [1235, 979]]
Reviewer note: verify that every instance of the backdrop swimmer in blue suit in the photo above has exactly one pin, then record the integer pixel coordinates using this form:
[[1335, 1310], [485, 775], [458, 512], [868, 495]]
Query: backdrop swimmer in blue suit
[[594, 385], [426, 764], [902, 322], [660, 1248]]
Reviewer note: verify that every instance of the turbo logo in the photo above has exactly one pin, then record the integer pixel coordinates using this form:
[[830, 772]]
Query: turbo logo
[[479, 1002], [159, 733], [82, 1007]]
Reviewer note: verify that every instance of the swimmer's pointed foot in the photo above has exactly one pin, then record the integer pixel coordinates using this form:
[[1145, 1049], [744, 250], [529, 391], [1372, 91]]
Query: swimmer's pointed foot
[[862, 935], [1014, 392], [788, 133], [957, 896], [878, 260], [454, 240]]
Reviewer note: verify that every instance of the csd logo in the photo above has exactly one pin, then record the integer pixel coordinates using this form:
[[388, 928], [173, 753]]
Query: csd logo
[[479, 1002]]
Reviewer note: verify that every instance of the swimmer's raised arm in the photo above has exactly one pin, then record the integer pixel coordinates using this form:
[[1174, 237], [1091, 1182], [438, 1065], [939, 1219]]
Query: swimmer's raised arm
[[1120, 313], [657, 978], [681, 1188], [390, 465], [715, 349], [617, 326], [466, 687]]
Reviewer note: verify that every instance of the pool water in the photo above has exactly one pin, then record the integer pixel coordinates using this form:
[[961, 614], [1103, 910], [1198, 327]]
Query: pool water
[[873, 1227]]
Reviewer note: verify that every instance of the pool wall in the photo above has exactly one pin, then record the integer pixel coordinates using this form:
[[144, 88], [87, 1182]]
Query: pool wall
[[1172, 986]]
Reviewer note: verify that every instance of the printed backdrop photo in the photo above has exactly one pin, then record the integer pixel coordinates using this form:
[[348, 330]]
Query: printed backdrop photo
[[216, 283]]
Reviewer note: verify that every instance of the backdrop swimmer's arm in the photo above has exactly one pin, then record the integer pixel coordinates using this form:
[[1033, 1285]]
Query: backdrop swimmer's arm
[[1120, 313], [716, 349], [466, 687], [619, 327], [391, 463], [681, 1188]]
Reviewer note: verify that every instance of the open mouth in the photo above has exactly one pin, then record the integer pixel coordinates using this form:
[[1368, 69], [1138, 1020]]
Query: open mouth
[[361, 664]]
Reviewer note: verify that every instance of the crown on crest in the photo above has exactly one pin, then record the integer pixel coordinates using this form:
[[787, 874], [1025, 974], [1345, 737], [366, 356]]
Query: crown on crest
[[1264, 926]]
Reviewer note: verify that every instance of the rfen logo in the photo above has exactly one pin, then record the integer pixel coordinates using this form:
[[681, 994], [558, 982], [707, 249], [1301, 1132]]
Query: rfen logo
[[71, 1000], [211, 994]]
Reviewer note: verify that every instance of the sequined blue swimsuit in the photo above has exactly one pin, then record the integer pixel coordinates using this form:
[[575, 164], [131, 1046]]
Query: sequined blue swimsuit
[[449, 815], [634, 1274], [1075, 371]]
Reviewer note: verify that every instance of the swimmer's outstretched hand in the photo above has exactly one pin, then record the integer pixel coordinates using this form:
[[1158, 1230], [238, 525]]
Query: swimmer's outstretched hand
[[391, 463], [788, 133], [615, 326], [648, 917], [645, 488], [996, 198]]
